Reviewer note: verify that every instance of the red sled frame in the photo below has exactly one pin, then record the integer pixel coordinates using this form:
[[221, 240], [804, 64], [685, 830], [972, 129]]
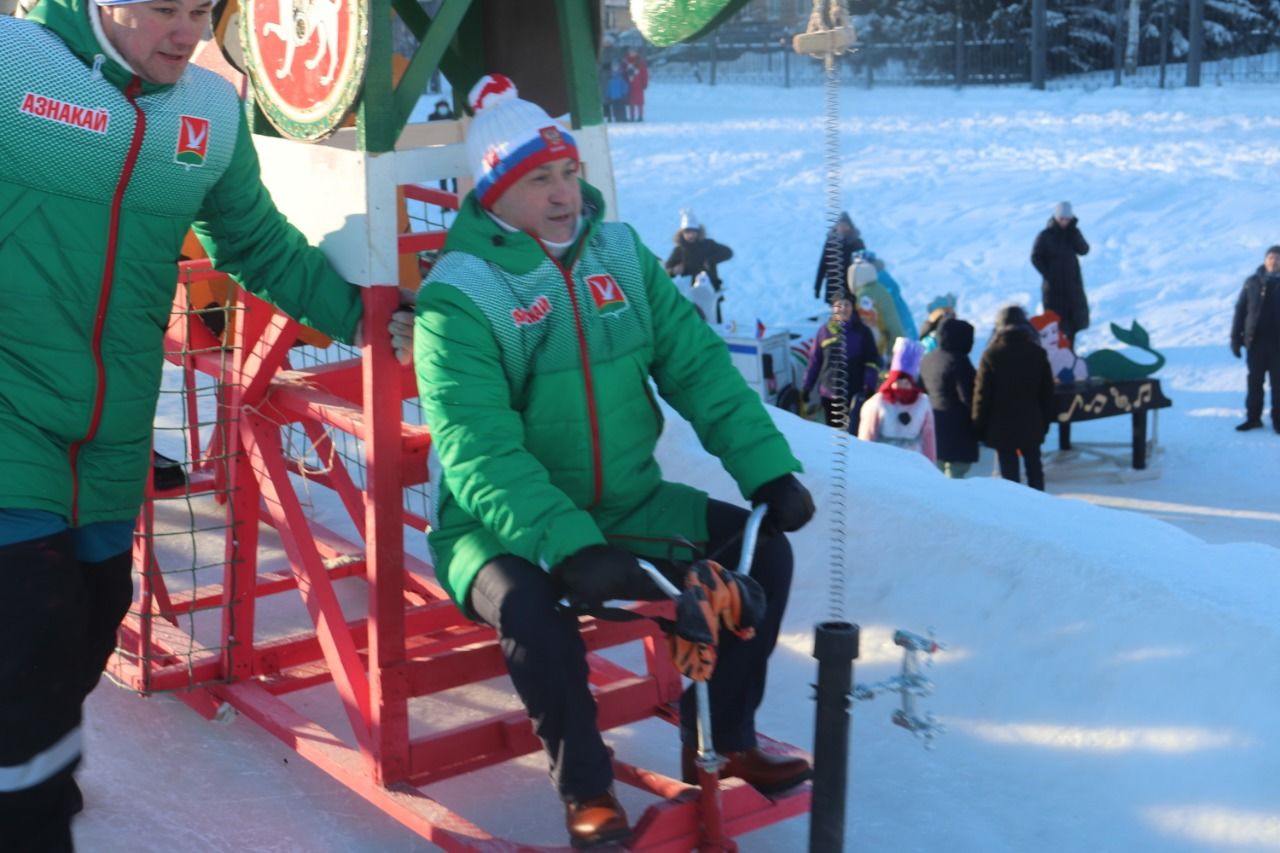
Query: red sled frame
[[414, 641]]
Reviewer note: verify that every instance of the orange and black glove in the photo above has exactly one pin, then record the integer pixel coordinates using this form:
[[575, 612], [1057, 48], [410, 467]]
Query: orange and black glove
[[713, 597]]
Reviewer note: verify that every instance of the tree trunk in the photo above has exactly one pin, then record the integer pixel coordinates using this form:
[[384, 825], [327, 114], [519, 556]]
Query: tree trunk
[[1131, 48]]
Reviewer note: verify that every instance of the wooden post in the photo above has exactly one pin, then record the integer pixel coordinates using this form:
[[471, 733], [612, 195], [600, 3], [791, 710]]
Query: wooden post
[[1140, 439], [578, 46]]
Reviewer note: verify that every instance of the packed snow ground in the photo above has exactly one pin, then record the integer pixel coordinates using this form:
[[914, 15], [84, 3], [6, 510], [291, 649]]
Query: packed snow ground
[[1110, 679]]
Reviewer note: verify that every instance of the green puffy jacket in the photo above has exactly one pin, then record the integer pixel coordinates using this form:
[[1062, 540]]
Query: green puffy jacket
[[101, 175], [535, 381]]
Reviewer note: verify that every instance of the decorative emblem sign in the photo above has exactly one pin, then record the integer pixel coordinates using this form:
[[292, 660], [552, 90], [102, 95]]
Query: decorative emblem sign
[[306, 60]]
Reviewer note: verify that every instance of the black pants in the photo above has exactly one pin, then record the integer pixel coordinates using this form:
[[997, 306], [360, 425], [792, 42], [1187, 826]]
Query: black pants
[[58, 620], [1008, 458], [1263, 361], [547, 659]]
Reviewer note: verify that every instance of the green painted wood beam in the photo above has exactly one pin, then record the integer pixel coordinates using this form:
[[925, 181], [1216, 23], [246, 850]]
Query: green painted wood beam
[[412, 16], [578, 46], [464, 60], [376, 126], [427, 58]]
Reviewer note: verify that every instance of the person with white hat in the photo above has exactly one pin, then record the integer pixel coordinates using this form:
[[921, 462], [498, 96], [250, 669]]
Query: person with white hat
[[538, 333], [695, 252], [1056, 256], [111, 148]]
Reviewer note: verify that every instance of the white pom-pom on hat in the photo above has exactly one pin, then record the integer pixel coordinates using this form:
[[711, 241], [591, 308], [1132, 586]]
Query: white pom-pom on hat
[[489, 90]]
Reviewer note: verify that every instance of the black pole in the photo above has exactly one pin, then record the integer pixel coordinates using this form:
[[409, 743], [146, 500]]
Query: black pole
[[835, 645], [1195, 35], [786, 66]]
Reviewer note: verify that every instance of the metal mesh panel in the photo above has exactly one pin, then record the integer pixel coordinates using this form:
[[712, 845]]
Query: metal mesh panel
[[172, 637]]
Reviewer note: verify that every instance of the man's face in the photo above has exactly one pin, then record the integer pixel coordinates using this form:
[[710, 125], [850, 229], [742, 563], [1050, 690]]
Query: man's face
[[158, 37], [1271, 262], [546, 202], [843, 309], [1064, 221], [690, 235]]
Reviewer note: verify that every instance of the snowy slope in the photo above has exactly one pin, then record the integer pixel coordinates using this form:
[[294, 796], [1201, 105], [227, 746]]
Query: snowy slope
[[1110, 679]]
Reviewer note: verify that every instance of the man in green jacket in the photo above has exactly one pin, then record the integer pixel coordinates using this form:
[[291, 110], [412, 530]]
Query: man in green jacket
[[537, 335], [111, 148]]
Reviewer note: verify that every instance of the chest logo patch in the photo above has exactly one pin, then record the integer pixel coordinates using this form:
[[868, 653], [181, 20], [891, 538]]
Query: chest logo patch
[[193, 141], [535, 313], [72, 115], [606, 294]]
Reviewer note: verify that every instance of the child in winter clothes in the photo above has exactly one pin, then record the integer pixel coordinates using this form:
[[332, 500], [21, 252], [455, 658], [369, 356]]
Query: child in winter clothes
[[695, 252], [1013, 396], [947, 376], [616, 91], [899, 413], [844, 334]]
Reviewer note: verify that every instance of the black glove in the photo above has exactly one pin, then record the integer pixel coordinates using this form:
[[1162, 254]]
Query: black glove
[[598, 573], [790, 504], [1235, 349]]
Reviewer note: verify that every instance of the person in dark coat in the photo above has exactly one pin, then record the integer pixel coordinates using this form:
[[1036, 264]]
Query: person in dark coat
[[843, 396], [1013, 396], [842, 241], [1256, 328], [948, 376], [694, 252], [1056, 256], [442, 111]]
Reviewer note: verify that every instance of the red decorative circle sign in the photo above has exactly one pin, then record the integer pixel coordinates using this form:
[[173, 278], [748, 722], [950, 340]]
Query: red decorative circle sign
[[306, 59]]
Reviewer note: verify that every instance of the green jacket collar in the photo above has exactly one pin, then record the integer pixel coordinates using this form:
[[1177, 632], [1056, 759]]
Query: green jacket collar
[[475, 233], [69, 20]]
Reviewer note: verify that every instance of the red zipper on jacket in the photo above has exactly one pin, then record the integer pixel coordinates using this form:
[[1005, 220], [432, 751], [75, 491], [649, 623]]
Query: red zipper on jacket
[[104, 292], [587, 380]]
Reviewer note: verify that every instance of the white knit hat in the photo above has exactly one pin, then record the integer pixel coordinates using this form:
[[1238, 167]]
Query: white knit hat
[[1062, 210], [688, 220], [509, 137]]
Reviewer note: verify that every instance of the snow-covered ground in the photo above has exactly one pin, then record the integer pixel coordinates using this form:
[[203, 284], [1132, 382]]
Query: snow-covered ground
[[1110, 677]]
